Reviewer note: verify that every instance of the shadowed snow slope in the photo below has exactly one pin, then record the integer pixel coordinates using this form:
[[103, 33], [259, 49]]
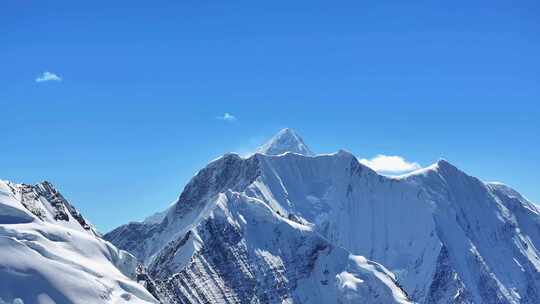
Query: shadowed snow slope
[[287, 222], [50, 254]]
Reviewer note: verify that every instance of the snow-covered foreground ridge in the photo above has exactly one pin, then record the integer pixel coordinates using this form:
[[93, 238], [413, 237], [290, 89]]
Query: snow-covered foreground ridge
[[287, 228], [50, 254]]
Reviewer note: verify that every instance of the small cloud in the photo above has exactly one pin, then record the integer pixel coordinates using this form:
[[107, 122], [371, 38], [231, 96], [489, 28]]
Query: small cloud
[[48, 76], [390, 164], [227, 117]]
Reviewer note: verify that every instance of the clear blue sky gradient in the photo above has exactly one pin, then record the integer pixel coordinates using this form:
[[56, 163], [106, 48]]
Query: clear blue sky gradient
[[143, 82]]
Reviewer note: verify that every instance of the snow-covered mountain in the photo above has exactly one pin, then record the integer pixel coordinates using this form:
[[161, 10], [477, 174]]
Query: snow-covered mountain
[[221, 244], [281, 227], [49, 253]]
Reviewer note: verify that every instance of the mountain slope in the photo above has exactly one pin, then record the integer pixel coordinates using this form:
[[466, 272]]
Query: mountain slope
[[243, 252], [220, 245], [50, 254], [446, 236]]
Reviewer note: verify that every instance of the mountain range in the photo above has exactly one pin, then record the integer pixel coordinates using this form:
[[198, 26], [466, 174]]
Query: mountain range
[[285, 225]]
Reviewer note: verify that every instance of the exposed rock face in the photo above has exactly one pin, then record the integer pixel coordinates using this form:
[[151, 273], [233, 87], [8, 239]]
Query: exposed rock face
[[447, 237]]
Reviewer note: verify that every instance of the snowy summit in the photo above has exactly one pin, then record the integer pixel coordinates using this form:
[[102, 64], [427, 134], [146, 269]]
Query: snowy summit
[[285, 141]]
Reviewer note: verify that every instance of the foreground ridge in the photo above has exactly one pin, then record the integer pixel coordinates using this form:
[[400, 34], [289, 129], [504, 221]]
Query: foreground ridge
[[49, 253]]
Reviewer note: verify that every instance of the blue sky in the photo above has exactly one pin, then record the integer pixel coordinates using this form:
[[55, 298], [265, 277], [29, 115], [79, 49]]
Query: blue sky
[[134, 113]]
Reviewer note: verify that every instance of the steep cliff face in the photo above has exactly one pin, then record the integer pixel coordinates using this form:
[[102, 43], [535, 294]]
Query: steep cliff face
[[446, 237], [49, 253]]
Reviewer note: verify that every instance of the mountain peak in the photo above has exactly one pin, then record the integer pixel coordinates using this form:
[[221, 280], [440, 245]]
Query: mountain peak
[[286, 140], [446, 166]]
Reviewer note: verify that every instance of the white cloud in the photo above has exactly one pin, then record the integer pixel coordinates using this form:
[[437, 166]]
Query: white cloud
[[390, 164], [48, 76], [227, 117]]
